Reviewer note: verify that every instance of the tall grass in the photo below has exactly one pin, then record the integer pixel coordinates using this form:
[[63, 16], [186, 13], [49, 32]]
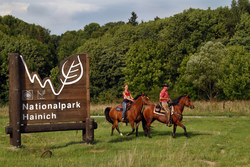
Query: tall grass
[[202, 108], [224, 108]]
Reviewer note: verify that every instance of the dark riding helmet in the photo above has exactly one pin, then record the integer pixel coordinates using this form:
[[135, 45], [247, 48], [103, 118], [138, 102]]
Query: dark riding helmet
[[165, 85]]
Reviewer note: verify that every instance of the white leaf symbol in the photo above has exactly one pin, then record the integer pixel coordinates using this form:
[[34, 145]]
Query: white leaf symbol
[[66, 77], [72, 70]]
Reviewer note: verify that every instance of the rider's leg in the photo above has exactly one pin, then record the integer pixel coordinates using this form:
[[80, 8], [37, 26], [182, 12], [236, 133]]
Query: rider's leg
[[167, 110], [124, 104]]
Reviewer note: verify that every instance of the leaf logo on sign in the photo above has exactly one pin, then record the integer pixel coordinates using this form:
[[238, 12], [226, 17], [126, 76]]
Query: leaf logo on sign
[[69, 77]]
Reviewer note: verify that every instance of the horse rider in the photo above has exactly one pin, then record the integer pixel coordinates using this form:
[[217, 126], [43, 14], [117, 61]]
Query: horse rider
[[126, 98], [164, 99]]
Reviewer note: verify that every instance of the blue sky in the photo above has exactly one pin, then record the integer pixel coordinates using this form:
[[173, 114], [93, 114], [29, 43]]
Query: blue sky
[[60, 16]]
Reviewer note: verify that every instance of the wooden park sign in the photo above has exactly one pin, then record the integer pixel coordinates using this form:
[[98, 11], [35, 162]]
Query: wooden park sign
[[33, 101]]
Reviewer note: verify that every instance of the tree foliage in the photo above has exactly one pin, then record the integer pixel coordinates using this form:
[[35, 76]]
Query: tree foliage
[[235, 80], [143, 55], [242, 34], [132, 19], [204, 69], [145, 65]]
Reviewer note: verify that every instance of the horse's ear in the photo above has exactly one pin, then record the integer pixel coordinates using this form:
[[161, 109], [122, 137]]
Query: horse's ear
[[187, 95]]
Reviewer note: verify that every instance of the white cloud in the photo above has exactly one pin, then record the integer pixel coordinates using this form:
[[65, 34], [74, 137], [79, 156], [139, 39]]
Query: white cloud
[[7, 8], [62, 15]]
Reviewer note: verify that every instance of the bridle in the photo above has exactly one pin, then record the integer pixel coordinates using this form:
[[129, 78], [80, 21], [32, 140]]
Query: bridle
[[143, 100], [146, 101], [184, 105], [180, 115]]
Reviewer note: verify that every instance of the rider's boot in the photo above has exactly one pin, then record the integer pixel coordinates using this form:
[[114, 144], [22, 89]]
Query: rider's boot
[[169, 119]]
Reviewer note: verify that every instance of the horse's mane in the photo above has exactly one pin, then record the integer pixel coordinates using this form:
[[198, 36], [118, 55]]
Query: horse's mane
[[138, 96], [176, 101]]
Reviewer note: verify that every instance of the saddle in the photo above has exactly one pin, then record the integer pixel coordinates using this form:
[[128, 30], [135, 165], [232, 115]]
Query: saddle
[[120, 107], [160, 109]]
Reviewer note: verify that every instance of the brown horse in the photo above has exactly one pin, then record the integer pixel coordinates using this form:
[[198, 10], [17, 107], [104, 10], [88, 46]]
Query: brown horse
[[149, 115], [133, 114]]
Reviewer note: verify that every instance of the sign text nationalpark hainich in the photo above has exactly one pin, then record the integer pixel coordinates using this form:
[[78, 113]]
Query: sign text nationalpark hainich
[[41, 102], [32, 100]]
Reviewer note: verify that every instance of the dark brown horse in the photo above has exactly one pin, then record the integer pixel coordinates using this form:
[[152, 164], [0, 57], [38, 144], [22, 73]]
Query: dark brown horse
[[133, 114], [149, 115]]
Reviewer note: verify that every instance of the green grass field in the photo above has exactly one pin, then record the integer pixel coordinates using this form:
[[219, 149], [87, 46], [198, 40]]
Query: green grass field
[[211, 142]]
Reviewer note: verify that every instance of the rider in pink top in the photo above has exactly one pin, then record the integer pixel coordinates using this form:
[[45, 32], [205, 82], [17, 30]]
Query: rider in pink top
[[164, 97], [126, 98]]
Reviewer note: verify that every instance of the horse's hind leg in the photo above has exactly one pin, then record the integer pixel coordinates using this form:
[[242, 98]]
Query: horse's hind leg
[[137, 124], [115, 125], [147, 128]]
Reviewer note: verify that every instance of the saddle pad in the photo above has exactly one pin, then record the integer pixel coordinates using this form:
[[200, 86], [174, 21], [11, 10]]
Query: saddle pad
[[120, 107], [156, 111]]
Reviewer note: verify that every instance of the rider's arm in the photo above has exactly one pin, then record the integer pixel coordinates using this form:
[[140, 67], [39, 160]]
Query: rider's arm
[[126, 97], [131, 97], [162, 98]]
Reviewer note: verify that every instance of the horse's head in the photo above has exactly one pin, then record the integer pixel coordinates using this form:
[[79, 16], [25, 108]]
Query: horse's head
[[145, 99], [187, 101]]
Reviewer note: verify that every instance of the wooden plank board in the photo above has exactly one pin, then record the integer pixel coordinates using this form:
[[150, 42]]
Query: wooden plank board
[[42, 103]]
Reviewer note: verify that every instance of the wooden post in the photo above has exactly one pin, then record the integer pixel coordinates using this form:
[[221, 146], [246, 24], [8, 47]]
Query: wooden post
[[14, 98], [88, 133]]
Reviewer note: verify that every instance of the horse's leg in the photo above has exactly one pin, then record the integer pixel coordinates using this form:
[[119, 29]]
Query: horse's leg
[[137, 124], [148, 128], [115, 125], [174, 130], [132, 126], [149, 120], [181, 125]]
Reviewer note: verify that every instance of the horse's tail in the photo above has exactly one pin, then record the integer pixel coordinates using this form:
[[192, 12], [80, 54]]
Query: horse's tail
[[144, 122], [107, 110]]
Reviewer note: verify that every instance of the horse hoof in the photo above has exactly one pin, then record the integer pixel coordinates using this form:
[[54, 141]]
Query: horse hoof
[[121, 134], [149, 137]]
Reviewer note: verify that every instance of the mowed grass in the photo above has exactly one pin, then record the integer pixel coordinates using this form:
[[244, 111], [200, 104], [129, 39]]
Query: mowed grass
[[211, 142]]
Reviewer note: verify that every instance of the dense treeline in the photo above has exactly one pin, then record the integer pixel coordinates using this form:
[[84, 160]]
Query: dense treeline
[[201, 52]]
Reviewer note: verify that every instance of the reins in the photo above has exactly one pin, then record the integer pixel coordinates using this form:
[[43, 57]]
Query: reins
[[142, 103], [180, 115], [182, 104]]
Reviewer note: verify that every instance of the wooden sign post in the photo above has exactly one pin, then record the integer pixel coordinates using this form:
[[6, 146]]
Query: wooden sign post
[[33, 100]]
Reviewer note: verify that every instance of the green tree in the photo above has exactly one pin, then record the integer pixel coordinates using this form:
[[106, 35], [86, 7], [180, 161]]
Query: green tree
[[68, 44], [145, 65], [90, 29], [242, 34], [204, 69], [35, 53], [54, 73], [132, 19], [107, 59], [186, 87], [186, 32], [236, 74]]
